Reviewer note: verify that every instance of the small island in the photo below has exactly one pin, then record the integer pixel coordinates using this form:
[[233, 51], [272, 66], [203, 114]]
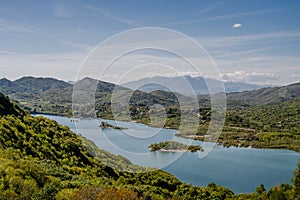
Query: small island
[[172, 146], [105, 125]]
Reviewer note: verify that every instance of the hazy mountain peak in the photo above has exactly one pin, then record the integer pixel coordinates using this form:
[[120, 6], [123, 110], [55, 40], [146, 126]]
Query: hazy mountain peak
[[188, 85]]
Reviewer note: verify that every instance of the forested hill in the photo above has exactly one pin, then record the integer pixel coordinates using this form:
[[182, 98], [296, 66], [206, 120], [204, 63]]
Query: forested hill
[[54, 96], [32, 85], [263, 96], [267, 95]]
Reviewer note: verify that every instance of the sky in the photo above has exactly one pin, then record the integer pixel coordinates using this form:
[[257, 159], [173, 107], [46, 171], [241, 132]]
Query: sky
[[249, 41]]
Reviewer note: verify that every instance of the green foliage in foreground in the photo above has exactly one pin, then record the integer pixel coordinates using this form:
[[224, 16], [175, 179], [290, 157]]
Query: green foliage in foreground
[[174, 146]]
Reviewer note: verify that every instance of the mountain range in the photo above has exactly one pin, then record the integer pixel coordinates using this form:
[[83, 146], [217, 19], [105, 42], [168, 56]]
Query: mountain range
[[188, 85], [46, 94]]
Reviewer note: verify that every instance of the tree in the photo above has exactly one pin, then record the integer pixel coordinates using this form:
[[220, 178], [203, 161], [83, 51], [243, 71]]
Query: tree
[[260, 189], [296, 181], [120, 194], [87, 193]]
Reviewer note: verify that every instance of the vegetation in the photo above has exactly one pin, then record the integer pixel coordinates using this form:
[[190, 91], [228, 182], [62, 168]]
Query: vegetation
[[107, 125], [174, 146], [108, 159], [269, 126], [267, 95], [296, 182]]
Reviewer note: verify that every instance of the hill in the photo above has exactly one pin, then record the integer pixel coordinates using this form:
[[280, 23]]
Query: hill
[[267, 95], [55, 96], [187, 85], [273, 125], [31, 85]]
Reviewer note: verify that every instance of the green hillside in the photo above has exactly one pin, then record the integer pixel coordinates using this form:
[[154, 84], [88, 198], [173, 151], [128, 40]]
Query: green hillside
[[47, 95], [267, 95], [32, 85], [273, 125]]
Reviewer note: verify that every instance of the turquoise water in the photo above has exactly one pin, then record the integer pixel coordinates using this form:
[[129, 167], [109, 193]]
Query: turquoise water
[[239, 169]]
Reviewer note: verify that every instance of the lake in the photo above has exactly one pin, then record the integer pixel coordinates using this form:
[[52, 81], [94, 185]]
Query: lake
[[239, 169]]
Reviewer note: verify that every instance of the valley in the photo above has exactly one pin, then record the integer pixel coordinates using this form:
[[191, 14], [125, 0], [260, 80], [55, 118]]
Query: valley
[[263, 118]]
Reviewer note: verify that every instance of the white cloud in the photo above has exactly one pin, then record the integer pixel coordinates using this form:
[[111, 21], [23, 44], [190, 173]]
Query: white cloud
[[251, 77], [237, 25]]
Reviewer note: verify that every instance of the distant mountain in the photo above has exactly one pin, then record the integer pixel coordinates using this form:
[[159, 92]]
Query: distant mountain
[[31, 85], [186, 85], [37, 85], [5, 83], [72, 82], [55, 96], [104, 90], [267, 95]]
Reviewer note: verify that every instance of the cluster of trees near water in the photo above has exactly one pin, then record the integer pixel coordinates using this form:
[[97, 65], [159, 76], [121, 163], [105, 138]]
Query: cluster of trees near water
[[108, 125], [175, 146]]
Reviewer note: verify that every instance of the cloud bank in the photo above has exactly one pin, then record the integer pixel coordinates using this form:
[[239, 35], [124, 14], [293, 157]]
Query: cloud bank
[[250, 77]]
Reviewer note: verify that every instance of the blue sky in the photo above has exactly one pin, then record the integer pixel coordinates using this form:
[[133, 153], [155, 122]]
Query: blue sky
[[250, 41]]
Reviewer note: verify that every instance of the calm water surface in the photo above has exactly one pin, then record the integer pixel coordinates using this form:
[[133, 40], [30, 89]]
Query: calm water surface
[[239, 169]]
